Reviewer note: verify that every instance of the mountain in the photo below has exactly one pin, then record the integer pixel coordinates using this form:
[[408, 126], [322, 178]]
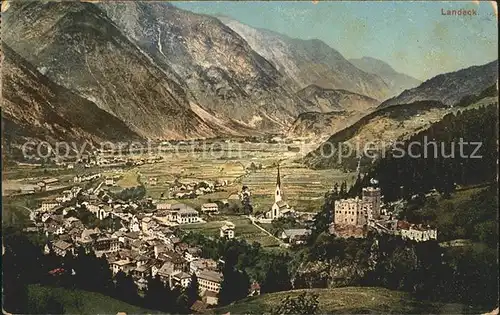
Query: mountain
[[78, 47], [335, 110], [380, 129], [223, 74], [450, 88], [306, 62], [327, 100], [36, 109], [397, 82], [314, 124]]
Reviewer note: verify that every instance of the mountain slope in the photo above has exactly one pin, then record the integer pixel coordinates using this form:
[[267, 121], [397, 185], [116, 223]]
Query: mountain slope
[[379, 130], [77, 46], [306, 62], [35, 108], [450, 88], [397, 82], [335, 110], [222, 72], [327, 100]]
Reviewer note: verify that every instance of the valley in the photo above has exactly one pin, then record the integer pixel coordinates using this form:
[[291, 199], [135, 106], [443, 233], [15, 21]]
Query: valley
[[244, 157]]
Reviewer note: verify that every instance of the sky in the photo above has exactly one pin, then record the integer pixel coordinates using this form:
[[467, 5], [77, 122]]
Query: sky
[[415, 38]]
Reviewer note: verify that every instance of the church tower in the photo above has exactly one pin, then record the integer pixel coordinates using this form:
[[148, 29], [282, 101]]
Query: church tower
[[278, 192]]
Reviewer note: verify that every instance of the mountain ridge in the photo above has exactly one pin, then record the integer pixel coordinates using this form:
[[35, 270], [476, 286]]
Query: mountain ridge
[[310, 61], [450, 87], [36, 109], [102, 65], [397, 81]]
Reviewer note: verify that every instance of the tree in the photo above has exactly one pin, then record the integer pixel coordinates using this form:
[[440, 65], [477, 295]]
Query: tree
[[303, 304], [277, 279], [158, 295], [193, 291], [125, 288], [234, 286]]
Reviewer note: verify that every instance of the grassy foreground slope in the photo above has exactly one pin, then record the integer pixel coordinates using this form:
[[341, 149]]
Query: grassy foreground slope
[[352, 300], [82, 302]]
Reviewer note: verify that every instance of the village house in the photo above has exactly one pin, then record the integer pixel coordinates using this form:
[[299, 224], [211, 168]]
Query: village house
[[27, 189], [210, 298], [210, 208], [163, 206], [109, 181], [49, 205], [180, 279], [192, 253], [199, 265], [227, 230], [61, 248], [106, 245], [124, 265], [186, 215], [209, 280], [415, 232], [295, 236]]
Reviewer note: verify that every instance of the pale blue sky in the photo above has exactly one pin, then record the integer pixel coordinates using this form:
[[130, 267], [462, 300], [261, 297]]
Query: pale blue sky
[[413, 37]]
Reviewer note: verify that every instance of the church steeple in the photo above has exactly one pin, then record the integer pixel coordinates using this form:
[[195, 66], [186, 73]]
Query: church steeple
[[278, 180], [277, 194]]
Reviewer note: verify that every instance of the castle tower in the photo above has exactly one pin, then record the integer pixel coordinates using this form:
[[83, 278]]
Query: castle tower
[[278, 192], [372, 196]]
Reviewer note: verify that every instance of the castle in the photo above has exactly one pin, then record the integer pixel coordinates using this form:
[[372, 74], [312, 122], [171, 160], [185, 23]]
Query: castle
[[356, 211], [352, 216]]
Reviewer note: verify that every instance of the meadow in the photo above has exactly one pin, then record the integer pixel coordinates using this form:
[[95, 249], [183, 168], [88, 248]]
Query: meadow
[[243, 230]]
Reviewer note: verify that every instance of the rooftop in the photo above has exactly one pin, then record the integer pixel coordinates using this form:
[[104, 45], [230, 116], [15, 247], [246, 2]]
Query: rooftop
[[210, 276], [62, 245], [210, 205]]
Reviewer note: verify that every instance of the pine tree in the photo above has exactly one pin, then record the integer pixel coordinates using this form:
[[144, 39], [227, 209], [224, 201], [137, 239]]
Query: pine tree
[[192, 291]]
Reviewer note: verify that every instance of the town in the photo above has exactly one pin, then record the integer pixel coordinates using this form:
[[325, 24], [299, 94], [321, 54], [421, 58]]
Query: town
[[143, 237]]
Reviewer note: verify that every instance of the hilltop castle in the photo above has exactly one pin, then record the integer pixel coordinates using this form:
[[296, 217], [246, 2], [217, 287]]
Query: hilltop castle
[[354, 217]]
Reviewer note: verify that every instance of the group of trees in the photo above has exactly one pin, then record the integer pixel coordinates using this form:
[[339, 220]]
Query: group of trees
[[474, 218], [463, 275], [83, 271], [132, 193], [243, 264]]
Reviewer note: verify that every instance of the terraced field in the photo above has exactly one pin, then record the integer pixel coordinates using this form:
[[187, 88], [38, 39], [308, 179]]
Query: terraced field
[[303, 188]]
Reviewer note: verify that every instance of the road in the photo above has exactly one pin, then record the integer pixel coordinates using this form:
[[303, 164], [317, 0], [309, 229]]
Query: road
[[265, 231]]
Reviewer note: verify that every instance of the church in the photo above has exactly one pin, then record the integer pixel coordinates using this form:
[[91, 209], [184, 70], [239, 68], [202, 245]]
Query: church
[[280, 207]]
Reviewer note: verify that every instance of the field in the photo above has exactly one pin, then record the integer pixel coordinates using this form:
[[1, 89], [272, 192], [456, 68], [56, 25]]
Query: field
[[82, 302], [351, 300], [303, 188], [243, 229], [128, 179]]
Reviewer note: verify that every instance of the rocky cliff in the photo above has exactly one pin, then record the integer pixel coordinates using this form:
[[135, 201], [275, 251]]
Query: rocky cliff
[[305, 62], [222, 72]]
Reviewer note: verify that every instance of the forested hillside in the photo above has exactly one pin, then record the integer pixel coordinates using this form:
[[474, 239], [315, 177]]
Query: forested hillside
[[461, 149]]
